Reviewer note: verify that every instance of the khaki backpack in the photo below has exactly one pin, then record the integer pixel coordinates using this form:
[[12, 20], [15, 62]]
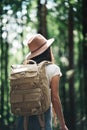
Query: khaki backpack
[[30, 93]]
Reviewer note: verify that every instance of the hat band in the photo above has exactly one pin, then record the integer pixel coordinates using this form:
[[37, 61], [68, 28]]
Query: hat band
[[38, 47]]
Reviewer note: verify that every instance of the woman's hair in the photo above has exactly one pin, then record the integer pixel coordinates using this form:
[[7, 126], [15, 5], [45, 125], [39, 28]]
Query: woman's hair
[[46, 55]]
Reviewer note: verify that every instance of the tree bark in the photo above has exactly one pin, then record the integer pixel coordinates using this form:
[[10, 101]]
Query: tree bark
[[84, 46], [71, 67], [41, 14]]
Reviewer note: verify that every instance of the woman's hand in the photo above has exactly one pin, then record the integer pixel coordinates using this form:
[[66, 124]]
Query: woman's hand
[[64, 128]]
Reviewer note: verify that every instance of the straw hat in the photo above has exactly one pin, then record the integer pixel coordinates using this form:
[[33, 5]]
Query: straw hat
[[37, 45]]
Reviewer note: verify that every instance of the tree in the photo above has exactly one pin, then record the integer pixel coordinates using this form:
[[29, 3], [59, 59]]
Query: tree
[[71, 67], [84, 22], [41, 14]]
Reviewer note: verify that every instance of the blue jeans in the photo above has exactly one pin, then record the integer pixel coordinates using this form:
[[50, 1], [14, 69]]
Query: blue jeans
[[34, 122]]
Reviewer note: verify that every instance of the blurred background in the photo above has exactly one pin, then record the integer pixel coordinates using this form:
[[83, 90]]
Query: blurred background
[[66, 21]]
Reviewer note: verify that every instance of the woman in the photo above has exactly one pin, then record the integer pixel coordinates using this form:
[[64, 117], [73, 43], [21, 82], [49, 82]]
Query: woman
[[39, 51]]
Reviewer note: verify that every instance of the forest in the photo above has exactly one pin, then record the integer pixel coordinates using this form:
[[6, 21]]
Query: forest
[[66, 22]]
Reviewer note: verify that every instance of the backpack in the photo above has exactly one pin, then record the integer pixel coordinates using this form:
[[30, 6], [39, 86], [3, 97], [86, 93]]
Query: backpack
[[29, 89]]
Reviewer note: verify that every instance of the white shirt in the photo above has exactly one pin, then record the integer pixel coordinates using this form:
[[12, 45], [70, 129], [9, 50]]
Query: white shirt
[[52, 70]]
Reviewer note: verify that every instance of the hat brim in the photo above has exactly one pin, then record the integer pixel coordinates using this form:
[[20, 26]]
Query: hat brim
[[41, 50]]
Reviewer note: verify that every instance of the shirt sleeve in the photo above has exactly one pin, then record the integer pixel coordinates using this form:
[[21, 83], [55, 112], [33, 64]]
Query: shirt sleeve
[[53, 70]]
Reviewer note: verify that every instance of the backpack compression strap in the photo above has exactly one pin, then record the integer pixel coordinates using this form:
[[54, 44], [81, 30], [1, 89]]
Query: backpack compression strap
[[41, 119], [25, 123]]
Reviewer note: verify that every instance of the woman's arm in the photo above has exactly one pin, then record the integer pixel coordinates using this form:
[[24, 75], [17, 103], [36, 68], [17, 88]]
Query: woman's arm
[[56, 101]]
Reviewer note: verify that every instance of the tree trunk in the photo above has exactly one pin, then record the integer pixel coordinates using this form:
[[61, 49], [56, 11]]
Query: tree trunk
[[41, 14], [84, 11], [2, 82], [71, 67]]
